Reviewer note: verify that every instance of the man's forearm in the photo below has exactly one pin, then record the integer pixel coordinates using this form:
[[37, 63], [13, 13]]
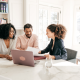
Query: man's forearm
[[20, 49]]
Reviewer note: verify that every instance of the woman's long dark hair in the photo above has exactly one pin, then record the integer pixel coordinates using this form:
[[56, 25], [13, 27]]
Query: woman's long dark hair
[[5, 29]]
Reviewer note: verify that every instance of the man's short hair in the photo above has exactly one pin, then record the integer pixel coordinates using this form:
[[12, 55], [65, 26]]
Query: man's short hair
[[27, 26]]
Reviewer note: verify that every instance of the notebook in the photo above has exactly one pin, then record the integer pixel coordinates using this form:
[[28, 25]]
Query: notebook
[[39, 57]]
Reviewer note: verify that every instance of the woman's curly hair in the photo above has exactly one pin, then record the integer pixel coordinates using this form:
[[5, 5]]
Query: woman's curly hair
[[5, 29], [58, 29]]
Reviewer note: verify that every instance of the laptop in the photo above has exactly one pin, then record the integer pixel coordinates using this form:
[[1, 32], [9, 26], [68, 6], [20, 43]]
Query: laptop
[[23, 57]]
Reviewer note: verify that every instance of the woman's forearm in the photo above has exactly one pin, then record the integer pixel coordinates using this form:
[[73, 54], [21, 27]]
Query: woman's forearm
[[2, 56], [5, 56]]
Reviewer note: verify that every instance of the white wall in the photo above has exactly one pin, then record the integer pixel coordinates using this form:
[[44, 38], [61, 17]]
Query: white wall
[[19, 32], [76, 46], [31, 13], [68, 21], [53, 2], [77, 2]]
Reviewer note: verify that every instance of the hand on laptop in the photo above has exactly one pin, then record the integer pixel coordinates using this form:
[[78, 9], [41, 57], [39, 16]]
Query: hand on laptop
[[39, 52]]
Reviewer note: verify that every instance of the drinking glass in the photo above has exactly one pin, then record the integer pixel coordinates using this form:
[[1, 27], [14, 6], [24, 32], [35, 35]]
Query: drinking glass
[[48, 64]]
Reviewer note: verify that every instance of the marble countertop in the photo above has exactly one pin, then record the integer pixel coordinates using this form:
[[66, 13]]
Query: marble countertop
[[61, 70]]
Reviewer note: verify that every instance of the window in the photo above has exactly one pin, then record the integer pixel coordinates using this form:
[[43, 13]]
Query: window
[[78, 27], [76, 36], [47, 15]]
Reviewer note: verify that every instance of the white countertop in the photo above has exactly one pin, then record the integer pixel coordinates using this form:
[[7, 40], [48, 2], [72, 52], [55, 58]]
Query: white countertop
[[61, 70]]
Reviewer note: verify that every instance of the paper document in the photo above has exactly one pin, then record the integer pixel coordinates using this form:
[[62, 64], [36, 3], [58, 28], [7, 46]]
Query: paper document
[[35, 51]]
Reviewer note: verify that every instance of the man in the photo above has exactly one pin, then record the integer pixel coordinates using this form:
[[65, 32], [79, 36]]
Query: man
[[28, 39]]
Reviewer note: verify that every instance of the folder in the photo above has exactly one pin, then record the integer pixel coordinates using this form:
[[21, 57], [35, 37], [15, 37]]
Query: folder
[[39, 57]]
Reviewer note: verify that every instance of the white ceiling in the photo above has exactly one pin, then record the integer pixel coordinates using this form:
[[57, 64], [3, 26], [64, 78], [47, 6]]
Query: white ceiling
[[53, 0]]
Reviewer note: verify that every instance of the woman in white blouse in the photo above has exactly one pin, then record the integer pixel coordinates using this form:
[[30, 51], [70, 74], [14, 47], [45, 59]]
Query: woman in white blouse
[[7, 40]]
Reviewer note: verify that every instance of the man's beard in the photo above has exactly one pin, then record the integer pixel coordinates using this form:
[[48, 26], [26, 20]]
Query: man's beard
[[28, 36]]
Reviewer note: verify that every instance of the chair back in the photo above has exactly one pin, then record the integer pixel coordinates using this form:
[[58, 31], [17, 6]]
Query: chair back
[[71, 54]]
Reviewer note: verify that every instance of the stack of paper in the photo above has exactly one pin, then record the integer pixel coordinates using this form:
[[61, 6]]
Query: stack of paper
[[35, 51]]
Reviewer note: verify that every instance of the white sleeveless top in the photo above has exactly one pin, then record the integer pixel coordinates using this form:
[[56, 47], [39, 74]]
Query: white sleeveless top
[[4, 49]]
